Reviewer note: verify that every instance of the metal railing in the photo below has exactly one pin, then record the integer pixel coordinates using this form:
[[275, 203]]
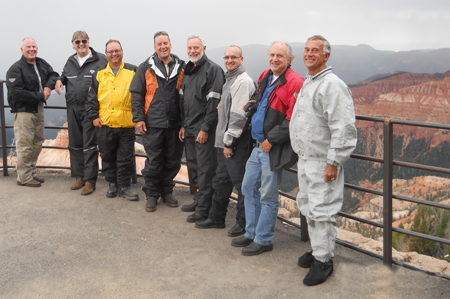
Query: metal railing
[[387, 193]]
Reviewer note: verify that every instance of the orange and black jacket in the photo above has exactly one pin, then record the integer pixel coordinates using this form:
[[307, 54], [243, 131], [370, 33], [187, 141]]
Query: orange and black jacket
[[155, 93]]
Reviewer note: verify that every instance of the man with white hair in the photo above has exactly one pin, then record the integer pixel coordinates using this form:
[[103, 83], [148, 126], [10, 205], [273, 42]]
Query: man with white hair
[[273, 101], [200, 93], [30, 82], [323, 134]]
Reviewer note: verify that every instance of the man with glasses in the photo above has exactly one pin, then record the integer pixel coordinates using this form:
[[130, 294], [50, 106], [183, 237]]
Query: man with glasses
[[30, 82], [232, 143], [323, 134], [275, 98], [109, 108], [200, 94], [156, 111], [77, 77]]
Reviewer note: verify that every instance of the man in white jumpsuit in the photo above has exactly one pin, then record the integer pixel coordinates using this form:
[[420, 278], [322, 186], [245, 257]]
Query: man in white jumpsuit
[[323, 134]]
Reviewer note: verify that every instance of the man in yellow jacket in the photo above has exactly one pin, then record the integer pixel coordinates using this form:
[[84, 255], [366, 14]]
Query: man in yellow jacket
[[109, 108]]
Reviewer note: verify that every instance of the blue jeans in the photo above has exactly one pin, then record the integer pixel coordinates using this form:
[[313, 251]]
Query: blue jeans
[[260, 188]]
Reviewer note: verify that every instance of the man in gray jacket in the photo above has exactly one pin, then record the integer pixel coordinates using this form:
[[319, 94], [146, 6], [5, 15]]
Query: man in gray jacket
[[77, 76], [233, 144], [323, 134]]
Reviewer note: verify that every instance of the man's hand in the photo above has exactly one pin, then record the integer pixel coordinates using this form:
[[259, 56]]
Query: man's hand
[[59, 86], [330, 173], [47, 92], [181, 134], [141, 127], [227, 152], [98, 123], [202, 137], [251, 102], [266, 146]]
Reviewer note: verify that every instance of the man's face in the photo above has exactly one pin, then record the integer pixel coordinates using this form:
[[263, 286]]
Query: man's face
[[29, 50], [162, 46], [114, 53], [81, 48], [232, 58], [278, 58], [195, 50], [313, 56]]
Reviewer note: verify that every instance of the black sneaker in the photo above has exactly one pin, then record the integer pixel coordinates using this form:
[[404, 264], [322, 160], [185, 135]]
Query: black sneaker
[[318, 273], [126, 192], [112, 190]]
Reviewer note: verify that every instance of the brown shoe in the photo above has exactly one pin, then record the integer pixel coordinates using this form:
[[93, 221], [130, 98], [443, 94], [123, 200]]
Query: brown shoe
[[39, 179], [32, 183], [78, 184], [88, 188], [150, 206]]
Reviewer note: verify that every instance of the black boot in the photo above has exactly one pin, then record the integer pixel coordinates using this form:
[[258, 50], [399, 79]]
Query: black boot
[[318, 273], [126, 192], [306, 260], [112, 191], [190, 207], [236, 231], [209, 223]]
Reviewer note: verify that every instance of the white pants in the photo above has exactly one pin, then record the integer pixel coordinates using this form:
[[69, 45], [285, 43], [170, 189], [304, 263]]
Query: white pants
[[319, 202]]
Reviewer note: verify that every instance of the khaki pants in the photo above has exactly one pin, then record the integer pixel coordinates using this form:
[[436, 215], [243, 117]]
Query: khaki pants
[[29, 133]]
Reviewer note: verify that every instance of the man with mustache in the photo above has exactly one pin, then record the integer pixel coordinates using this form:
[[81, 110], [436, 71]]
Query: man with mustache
[[200, 94], [77, 77], [30, 82]]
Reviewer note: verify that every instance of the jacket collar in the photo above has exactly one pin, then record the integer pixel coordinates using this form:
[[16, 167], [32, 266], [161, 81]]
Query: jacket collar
[[190, 66], [322, 73], [235, 72], [155, 64]]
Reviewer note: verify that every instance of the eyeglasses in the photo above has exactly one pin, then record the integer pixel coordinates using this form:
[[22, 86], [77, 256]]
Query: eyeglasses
[[231, 57], [160, 33], [115, 51], [84, 41]]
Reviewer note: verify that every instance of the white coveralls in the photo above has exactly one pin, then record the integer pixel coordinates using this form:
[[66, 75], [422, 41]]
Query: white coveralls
[[322, 130]]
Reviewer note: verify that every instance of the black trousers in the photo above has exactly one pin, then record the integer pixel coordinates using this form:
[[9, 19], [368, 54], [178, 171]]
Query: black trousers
[[82, 144], [164, 150], [201, 159], [230, 172], [117, 151]]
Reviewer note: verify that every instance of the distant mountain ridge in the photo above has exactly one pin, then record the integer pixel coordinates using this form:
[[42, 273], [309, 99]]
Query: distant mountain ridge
[[350, 63]]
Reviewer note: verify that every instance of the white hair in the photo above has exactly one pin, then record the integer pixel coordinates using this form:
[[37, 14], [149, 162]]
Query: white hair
[[202, 40], [23, 41]]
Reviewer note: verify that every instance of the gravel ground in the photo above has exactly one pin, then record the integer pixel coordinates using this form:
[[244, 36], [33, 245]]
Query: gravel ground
[[55, 243]]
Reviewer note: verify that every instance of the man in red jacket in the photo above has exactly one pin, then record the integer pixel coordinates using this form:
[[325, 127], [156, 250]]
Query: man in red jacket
[[275, 99]]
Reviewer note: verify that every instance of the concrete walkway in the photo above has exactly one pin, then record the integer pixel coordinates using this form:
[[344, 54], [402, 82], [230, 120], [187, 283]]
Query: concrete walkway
[[55, 243]]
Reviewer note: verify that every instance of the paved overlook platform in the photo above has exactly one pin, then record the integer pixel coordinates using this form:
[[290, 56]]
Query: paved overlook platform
[[55, 243]]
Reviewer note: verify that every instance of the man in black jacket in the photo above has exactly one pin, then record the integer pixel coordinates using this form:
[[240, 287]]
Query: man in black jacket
[[30, 82], [155, 107], [200, 94], [77, 76]]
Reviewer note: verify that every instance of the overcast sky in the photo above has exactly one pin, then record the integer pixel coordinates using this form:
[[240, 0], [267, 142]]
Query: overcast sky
[[383, 24]]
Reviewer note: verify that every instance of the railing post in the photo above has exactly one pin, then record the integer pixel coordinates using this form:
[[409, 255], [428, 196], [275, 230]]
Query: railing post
[[3, 131], [387, 191], [304, 237]]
